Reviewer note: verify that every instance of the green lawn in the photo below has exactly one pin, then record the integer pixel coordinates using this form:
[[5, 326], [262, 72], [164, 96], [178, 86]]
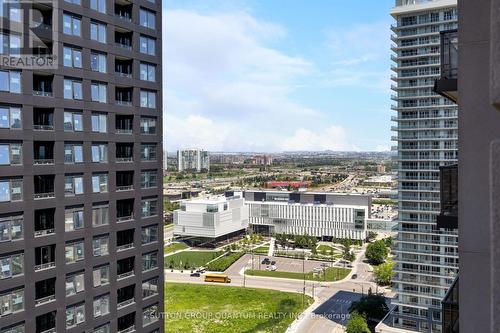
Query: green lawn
[[220, 309], [175, 247], [262, 249], [326, 248], [192, 258], [331, 274]]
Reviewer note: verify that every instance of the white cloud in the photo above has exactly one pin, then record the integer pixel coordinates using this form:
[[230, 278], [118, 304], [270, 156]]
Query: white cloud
[[331, 138]]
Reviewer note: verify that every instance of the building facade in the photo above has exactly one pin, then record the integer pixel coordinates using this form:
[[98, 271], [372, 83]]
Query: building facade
[[323, 215], [193, 160], [211, 219], [427, 136], [81, 168]]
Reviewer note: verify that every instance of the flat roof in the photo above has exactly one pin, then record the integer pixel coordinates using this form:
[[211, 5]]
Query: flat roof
[[312, 192]]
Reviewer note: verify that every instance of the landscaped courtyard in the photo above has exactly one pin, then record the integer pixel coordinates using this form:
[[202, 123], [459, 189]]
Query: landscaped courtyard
[[190, 259]]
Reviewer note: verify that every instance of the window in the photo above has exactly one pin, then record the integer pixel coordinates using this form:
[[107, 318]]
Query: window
[[72, 25], [98, 32], [11, 154], [10, 10], [101, 305], [10, 81], [149, 261], [99, 122], [11, 266], [100, 153], [100, 183], [75, 2], [102, 329], [73, 185], [11, 228], [75, 315], [98, 92], [147, 45], [148, 125], [99, 5], [148, 207], [149, 234], [11, 190], [101, 275], [100, 246], [148, 99], [72, 89], [72, 57], [100, 215], [150, 288], [148, 179], [12, 301], [73, 153], [75, 284], [73, 121], [18, 328], [73, 219], [150, 315], [147, 18], [10, 117], [147, 72], [148, 152], [73, 252], [98, 62], [10, 44]]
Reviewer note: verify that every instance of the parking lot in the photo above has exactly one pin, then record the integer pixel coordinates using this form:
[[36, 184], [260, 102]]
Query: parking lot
[[282, 264]]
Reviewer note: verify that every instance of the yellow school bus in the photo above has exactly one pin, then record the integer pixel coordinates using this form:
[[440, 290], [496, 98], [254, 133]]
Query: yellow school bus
[[223, 278]]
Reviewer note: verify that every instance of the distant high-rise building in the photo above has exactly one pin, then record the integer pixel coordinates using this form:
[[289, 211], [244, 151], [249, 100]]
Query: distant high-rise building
[[193, 159], [80, 168], [262, 160], [427, 132]]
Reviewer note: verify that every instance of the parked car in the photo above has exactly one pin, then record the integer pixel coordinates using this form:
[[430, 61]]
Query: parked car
[[354, 276], [273, 262], [273, 267], [266, 261], [195, 274]]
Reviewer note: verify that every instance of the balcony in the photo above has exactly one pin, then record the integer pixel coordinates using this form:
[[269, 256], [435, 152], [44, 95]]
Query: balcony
[[124, 181], [123, 10], [123, 39], [446, 85], [125, 296], [124, 152], [44, 187], [44, 222], [450, 309], [42, 85], [124, 124], [125, 268], [43, 119], [46, 323], [45, 291], [123, 66], [124, 239], [123, 96], [45, 257], [125, 210], [126, 323], [43, 152], [448, 218]]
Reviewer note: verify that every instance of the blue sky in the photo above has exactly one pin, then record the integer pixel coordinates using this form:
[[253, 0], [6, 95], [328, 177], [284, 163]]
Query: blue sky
[[277, 75]]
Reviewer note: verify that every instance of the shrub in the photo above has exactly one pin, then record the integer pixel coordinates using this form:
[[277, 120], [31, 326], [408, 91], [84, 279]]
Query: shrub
[[357, 324], [223, 263]]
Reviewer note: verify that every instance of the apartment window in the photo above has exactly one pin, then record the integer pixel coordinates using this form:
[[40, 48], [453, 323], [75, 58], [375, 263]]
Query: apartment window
[[12, 302], [99, 122], [10, 44], [100, 183], [150, 288], [98, 62], [147, 18], [73, 252], [10, 81], [149, 234], [73, 122], [150, 315], [124, 239], [73, 153], [12, 11], [11, 190], [45, 257], [75, 284], [100, 245], [148, 152], [148, 125], [148, 99], [98, 5], [98, 92], [100, 153], [10, 154], [101, 275], [149, 179], [149, 261], [11, 266], [72, 57], [46, 322], [148, 207], [147, 45], [11, 228], [73, 218], [98, 32], [10, 117], [72, 89], [147, 72], [102, 329], [72, 25], [75, 2], [45, 291], [73, 185], [100, 215], [75, 315], [16, 328], [101, 305]]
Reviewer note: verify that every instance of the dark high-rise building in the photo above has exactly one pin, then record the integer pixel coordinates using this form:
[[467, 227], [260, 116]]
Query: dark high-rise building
[[80, 166]]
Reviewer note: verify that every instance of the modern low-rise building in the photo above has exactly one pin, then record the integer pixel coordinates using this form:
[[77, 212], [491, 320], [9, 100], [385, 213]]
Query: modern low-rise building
[[194, 159], [210, 220], [324, 215]]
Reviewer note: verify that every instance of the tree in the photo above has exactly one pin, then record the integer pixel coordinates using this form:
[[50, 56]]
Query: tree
[[388, 242], [384, 273], [357, 324], [371, 236], [372, 306], [376, 252]]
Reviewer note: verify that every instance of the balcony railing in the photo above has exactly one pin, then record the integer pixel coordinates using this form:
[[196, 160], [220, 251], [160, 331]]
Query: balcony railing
[[128, 329], [123, 131], [45, 266], [50, 330], [124, 275], [124, 159], [124, 46], [124, 188], [449, 54], [125, 303], [45, 232], [124, 74], [125, 218], [123, 103], [45, 299], [43, 93], [42, 161], [43, 127], [125, 247], [44, 195]]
